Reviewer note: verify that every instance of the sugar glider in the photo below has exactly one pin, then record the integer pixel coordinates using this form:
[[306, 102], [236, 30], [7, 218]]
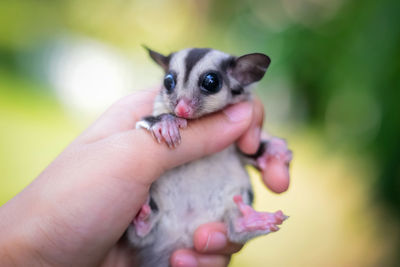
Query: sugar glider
[[199, 81]]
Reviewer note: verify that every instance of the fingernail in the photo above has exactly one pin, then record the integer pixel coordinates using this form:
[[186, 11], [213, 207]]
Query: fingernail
[[215, 241], [238, 112], [185, 260]]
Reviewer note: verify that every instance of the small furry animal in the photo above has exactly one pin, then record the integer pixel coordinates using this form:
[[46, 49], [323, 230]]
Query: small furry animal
[[199, 81]]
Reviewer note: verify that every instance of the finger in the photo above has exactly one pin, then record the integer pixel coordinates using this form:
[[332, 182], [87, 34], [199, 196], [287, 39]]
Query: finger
[[139, 149], [190, 258], [121, 116], [211, 238], [250, 140]]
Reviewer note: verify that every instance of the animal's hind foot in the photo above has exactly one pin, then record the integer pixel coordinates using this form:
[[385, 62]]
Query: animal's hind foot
[[254, 221]]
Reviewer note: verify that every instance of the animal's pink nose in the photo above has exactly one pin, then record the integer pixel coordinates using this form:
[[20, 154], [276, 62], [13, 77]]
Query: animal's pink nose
[[184, 108]]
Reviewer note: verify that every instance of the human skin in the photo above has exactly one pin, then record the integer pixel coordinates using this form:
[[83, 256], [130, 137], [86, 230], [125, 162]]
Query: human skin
[[76, 210]]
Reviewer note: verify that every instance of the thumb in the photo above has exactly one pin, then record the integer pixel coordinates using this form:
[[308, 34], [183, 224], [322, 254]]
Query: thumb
[[148, 159]]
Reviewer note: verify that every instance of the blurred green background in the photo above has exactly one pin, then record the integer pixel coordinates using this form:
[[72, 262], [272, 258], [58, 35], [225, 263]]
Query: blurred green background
[[332, 90]]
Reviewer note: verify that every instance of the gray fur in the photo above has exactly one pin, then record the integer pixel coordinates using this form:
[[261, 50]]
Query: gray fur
[[200, 191], [188, 197]]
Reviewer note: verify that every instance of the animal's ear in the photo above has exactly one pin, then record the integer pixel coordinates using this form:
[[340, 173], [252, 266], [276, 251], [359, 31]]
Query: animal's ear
[[160, 59], [249, 68]]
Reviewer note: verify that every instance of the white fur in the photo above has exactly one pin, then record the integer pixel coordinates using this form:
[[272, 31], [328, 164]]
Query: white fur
[[143, 124]]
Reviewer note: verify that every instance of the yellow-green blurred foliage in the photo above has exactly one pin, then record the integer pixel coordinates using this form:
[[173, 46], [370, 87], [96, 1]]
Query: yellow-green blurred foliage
[[332, 91]]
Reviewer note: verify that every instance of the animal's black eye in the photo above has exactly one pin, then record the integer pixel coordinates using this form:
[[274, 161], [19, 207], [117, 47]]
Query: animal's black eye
[[211, 83], [169, 82]]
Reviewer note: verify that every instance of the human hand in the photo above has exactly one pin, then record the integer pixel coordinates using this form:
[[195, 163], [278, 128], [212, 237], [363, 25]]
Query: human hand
[[78, 208]]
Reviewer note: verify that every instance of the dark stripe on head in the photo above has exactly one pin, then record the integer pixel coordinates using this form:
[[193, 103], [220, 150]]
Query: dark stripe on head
[[224, 65], [192, 58], [227, 63]]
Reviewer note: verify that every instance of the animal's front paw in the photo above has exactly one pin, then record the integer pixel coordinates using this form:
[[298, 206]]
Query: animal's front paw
[[253, 222], [273, 161], [164, 127], [275, 149]]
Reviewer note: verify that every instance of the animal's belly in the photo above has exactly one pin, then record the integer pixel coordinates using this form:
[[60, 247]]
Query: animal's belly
[[197, 193]]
